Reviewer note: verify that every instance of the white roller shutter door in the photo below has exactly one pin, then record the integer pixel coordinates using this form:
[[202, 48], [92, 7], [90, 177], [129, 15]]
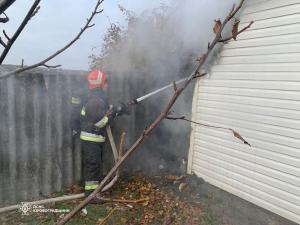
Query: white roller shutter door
[[254, 88]]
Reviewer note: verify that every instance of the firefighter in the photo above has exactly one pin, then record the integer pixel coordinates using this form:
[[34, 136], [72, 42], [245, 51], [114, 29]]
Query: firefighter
[[94, 118]]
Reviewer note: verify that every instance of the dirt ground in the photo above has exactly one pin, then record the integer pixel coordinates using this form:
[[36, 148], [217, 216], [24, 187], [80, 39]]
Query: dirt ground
[[155, 200]]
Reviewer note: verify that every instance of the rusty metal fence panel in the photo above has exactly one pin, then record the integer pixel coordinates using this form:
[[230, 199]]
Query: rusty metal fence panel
[[36, 153]]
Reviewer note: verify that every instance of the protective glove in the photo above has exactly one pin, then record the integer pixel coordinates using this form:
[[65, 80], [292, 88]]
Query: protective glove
[[119, 110], [124, 109]]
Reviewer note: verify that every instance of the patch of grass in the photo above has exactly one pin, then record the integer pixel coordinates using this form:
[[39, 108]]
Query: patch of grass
[[119, 217], [208, 219]]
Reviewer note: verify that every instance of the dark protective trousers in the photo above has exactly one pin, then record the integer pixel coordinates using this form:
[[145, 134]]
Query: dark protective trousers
[[92, 161]]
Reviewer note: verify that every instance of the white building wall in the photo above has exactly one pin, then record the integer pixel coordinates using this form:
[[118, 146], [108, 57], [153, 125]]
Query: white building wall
[[254, 88]]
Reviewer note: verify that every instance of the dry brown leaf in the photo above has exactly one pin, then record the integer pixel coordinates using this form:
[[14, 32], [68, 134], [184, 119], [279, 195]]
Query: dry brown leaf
[[182, 186], [83, 212], [235, 29], [218, 25], [199, 59], [238, 136], [174, 178], [145, 203]]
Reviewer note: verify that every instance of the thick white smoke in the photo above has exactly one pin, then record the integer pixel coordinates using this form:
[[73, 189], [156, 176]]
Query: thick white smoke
[[194, 20], [163, 37], [159, 46]]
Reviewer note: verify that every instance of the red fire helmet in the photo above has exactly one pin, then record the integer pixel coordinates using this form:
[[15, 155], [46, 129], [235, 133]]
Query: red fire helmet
[[96, 79]]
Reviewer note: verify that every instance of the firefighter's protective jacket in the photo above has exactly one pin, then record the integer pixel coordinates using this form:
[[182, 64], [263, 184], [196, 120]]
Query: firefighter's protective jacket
[[93, 118], [77, 100]]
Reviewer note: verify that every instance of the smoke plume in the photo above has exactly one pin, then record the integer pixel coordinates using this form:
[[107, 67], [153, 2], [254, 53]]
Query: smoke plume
[[157, 47]]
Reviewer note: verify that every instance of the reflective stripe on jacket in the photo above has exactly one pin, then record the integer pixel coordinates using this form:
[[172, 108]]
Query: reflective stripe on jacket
[[93, 119], [102, 123], [90, 185], [85, 136], [83, 111], [75, 100]]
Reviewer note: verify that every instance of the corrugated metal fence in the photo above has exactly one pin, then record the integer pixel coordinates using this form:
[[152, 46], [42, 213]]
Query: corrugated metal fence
[[36, 154]]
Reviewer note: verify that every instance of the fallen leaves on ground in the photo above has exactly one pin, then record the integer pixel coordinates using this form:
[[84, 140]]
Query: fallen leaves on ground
[[137, 199], [163, 207]]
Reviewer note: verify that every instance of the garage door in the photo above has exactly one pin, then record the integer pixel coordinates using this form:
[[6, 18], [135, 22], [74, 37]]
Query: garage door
[[254, 88]]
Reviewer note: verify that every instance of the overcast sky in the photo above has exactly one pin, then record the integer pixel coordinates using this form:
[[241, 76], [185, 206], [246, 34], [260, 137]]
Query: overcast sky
[[57, 22]]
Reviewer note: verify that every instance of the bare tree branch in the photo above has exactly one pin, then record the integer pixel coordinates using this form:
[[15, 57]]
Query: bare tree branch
[[174, 86], [5, 4], [102, 222], [35, 11], [2, 43], [51, 67], [11, 41], [239, 32], [124, 200], [235, 133], [199, 75], [5, 35], [4, 19], [120, 153], [156, 122], [117, 157], [44, 61]]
